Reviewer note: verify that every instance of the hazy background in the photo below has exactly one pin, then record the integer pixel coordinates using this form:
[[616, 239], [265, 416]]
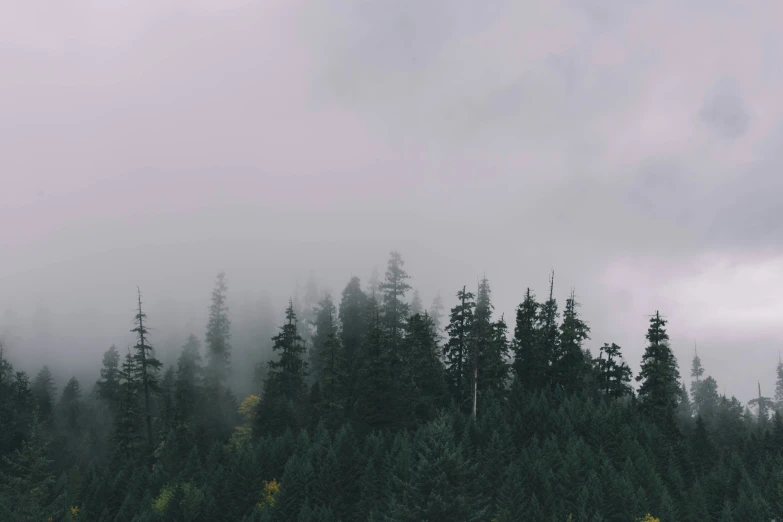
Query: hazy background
[[634, 147]]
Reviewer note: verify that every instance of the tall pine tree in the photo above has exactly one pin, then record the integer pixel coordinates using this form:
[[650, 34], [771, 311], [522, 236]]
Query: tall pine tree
[[659, 375], [147, 367], [218, 336], [457, 348]]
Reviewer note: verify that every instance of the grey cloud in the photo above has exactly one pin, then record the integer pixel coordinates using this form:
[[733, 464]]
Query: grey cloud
[[160, 143], [725, 112]]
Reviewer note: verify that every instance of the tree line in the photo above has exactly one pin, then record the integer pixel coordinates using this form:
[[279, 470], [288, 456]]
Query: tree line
[[377, 409]]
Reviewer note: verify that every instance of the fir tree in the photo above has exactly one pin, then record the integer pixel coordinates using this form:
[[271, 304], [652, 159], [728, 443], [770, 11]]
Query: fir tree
[[436, 313], [147, 366], [108, 387], [779, 385], [188, 379], [482, 337], [395, 309], [333, 374], [352, 317], [26, 480], [530, 362], [218, 336], [127, 433], [43, 392], [659, 375], [415, 307], [324, 326], [549, 337], [456, 350], [615, 375], [376, 405], [425, 368], [287, 375], [569, 366]]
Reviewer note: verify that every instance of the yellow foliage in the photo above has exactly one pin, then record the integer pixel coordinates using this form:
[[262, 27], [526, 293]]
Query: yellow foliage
[[649, 518], [74, 512], [271, 489], [161, 503], [249, 406]]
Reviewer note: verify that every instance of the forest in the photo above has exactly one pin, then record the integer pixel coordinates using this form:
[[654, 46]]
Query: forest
[[374, 408]]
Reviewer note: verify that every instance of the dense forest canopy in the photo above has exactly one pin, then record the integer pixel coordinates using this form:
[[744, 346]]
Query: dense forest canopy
[[375, 407]]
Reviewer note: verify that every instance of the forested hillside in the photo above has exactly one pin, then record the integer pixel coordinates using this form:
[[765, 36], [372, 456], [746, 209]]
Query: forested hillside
[[377, 409]]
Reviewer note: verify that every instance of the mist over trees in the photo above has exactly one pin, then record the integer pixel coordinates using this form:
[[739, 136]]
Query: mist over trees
[[368, 405]]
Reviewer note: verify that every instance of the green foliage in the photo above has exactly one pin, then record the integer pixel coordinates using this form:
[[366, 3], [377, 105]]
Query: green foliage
[[379, 437]]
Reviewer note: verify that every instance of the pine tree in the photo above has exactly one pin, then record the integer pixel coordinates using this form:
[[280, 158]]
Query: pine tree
[[456, 350], [482, 337], [26, 480], [287, 376], [415, 307], [108, 387], [779, 385], [127, 433], [333, 375], [763, 406], [436, 313], [615, 375], [218, 336], [395, 310], [569, 366], [324, 326], [530, 362], [696, 368], [659, 375], [549, 337], [43, 392], [376, 405], [424, 366], [352, 317], [147, 366], [188, 380], [440, 484], [495, 370]]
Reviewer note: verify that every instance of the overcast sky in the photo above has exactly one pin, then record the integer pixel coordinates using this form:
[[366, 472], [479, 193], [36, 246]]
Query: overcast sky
[[633, 147]]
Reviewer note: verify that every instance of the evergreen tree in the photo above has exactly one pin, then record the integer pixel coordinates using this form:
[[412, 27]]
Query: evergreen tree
[[569, 366], [456, 350], [439, 485], [696, 368], [108, 387], [333, 375], [26, 481], [659, 375], [549, 337], [436, 313], [376, 406], [352, 317], [147, 366], [395, 310], [779, 385], [482, 337], [615, 375], [43, 392], [218, 336], [424, 366], [188, 380], [127, 432], [287, 375], [705, 398], [530, 362], [415, 307], [324, 326]]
